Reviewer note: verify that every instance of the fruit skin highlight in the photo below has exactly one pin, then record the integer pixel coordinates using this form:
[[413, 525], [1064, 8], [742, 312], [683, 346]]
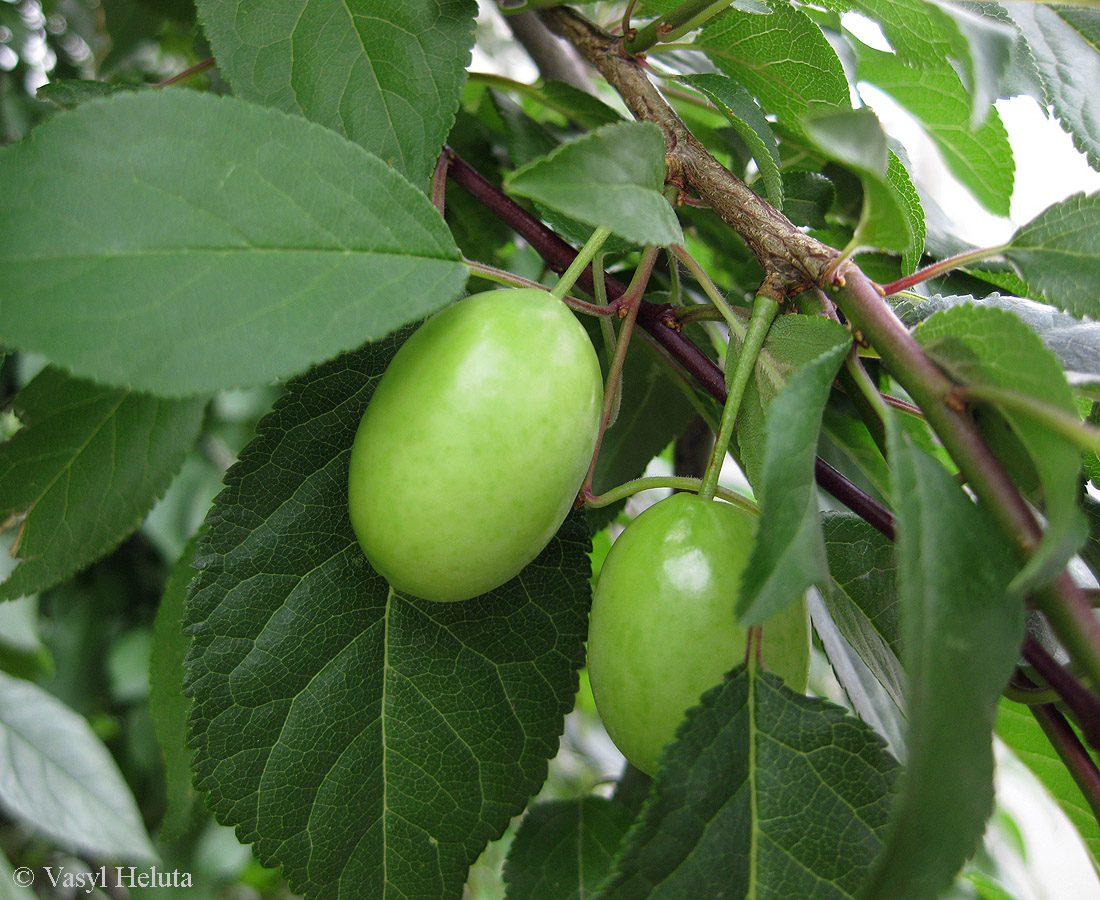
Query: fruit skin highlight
[[475, 443], [662, 629]]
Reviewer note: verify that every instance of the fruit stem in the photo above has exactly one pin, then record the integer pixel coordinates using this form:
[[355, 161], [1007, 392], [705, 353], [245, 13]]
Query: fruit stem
[[502, 276], [628, 307], [599, 292], [675, 482], [587, 252], [711, 290], [764, 310]]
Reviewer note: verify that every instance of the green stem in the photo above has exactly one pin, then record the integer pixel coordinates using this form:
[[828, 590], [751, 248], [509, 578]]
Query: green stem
[[502, 276], [674, 24], [675, 482], [629, 304], [939, 268], [1057, 420], [764, 311], [589, 250], [599, 288], [711, 290], [872, 408]]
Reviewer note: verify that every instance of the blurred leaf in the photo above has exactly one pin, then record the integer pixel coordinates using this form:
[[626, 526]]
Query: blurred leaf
[[198, 242], [1065, 47], [961, 633], [61, 779], [12, 888], [748, 120], [1057, 253], [579, 106], [755, 770], [788, 554], [385, 74], [855, 139], [1017, 727], [168, 706], [864, 603], [84, 470], [564, 849], [70, 92], [612, 177], [808, 197], [987, 346], [782, 58], [980, 158], [356, 735]]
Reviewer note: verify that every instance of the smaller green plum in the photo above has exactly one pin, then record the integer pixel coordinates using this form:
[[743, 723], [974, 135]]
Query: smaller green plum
[[662, 629], [475, 443]]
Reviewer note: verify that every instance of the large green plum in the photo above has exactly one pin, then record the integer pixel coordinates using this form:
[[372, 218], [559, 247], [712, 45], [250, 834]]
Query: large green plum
[[475, 444], [662, 629]]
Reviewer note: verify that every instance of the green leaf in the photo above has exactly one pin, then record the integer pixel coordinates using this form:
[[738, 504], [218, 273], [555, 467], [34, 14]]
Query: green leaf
[[184, 242], [793, 341], [1057, 254], [70, 92], [863, 602], [961, 630], [168, 707], [755, 770], [577, 105], [84, 471], [986, 346], [980, 158], [368, 742], [898, 178], [747, 119], [564, 849], [1065, 46], [782, 58], [386, 74], [61, 780], [807, 198], [1017, 727], [788, 555], [612, 177]]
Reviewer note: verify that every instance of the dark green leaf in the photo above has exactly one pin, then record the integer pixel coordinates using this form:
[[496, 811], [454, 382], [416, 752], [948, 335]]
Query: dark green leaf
[[980, 158], [808, 197], [961, 633], [856, 140], [898, 178], [1065, 47], [368, 742], [84, 470], [987, 346], [168, 707], [61, 780], [788, 555], [564, 849], [1057, 253], [755, 771], [782, 58], [577, 105], [749, 122], [1017, 727], [70, 92], [386, 74], [612, 177], [184, 242]]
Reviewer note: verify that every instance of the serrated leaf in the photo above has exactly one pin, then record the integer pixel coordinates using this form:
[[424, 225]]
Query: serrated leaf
[[1017, 727], [69, 92], [612, 177], [368, 742], [62, 781], [168, 707], [386, 74], [980, 158], [788, 554], [782, 58], [897, 176], [961, 632], [1064, 41], [84, 471], [755, 770], [855, 139], [748, 120], [987, 346], [863, 602], [184, 242], [1057, 253], [792, 342], [564, 849], [984, 54]]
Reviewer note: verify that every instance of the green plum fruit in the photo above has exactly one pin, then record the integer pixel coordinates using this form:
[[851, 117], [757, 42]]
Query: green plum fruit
[[475, 443], [662, 629]]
